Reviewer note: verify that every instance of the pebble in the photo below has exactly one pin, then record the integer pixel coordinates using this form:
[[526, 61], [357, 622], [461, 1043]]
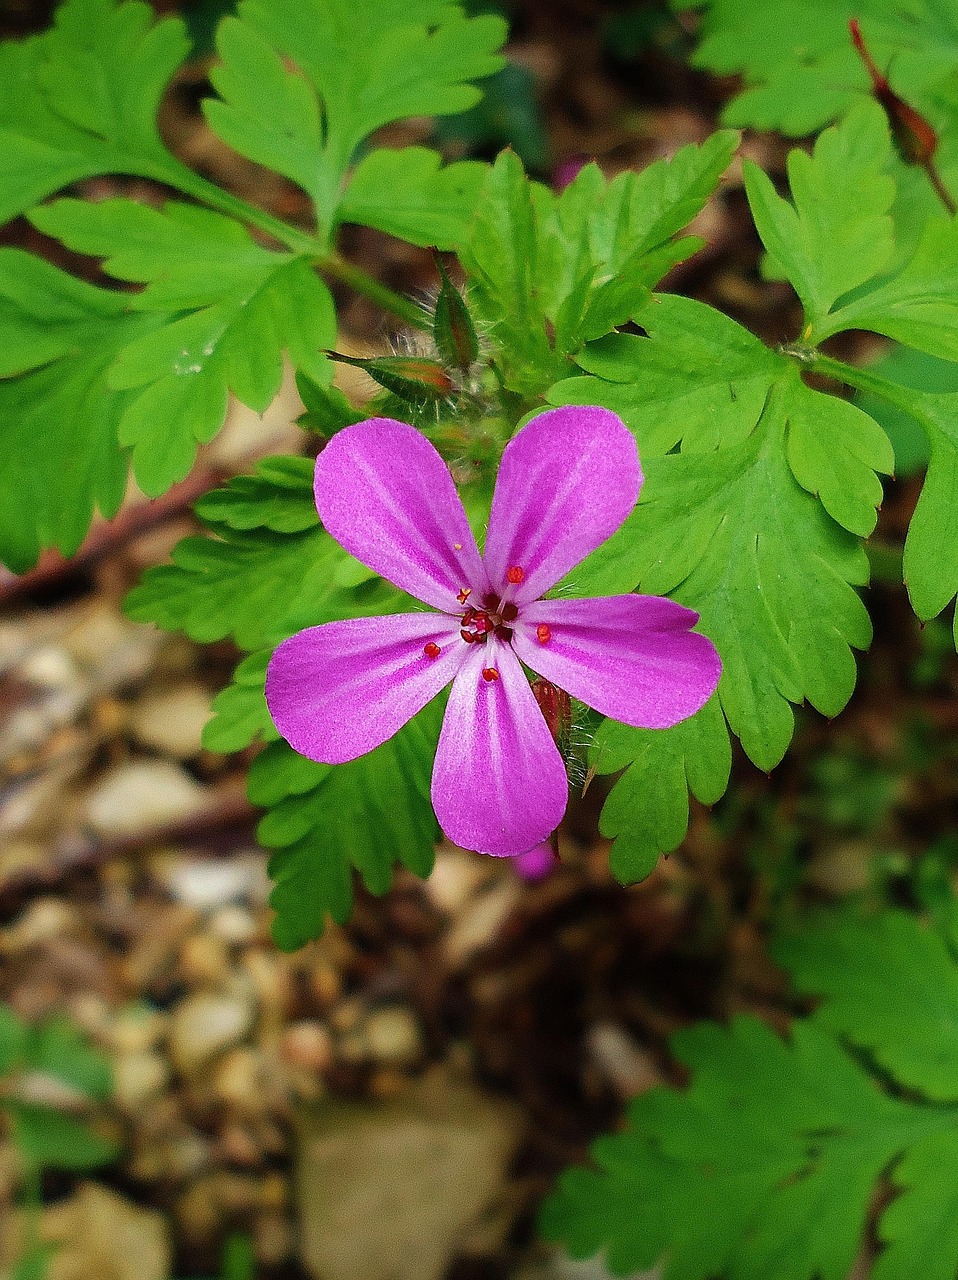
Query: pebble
[[204, 1025], [138, 1076], [308, 1045], [135, 798], [43, 921], [393, 1036], [233, 925], [208, 883], [204, 960], [628, 1067], [114, 651], [172, 721]]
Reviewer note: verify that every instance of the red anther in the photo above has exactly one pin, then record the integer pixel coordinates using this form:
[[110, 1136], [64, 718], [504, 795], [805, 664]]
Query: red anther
[[468, 636], [464, 594], [543, 634], [489, 674], [432, 650], [515, 575], [468, 617], [509, 612]]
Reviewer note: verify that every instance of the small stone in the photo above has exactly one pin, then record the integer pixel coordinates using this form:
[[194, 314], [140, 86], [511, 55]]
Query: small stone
[[204, 1025], [388, 1190], [138, 1076], [172, 721], [393, 1036], [43, 921], [308, 1045], [135, 798], [114, 651], [479, 924], [207, 883], [233, 925], [240, 1079], [203, 960], [625, 1064], [98, 1233], [136, 1028]]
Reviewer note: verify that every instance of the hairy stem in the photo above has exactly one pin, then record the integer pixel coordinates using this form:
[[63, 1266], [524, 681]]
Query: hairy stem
[[348, 273]]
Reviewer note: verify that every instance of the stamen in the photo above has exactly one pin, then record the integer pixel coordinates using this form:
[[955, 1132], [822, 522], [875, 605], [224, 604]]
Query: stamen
[[464, 594], [509, 612], [468, 636], [457, 546], [432, 650], [489, 674], [515, 575], [543, 634]]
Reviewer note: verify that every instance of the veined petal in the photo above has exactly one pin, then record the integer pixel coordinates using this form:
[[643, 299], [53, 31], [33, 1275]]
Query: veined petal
[[499, 783], [386, 495], [339, 690], [565, 484], [634, 658]]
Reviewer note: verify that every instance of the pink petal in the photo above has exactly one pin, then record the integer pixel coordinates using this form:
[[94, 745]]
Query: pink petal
[[535, 864], [634, 658], [499, 783], [386, 495], [566, 483], [339, 690]]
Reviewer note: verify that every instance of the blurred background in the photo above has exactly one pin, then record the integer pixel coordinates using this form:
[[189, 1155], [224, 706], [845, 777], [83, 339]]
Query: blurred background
[[393, 1101]]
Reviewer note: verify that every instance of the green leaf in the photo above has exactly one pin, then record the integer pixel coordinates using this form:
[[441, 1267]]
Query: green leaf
[[410, 194], [357, 68], [726, 525], [58, 1049], [890, 986], [930, 563], [278, 496], [763, 1168], [920, 1226], [916, 305], [550, 272], [13, 1040], [240, 713], [251, 304], [82, 99], [51, 1139], [911, 369], [647, 811], [800, 68], [325, 820], [825, 243], [59, 453]]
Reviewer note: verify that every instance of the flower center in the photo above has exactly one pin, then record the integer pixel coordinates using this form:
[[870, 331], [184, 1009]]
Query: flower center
[[492, 618]]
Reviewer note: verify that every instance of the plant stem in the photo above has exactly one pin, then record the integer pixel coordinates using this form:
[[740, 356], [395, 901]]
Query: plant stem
[[944, 195], [348, 273], [328, 261]]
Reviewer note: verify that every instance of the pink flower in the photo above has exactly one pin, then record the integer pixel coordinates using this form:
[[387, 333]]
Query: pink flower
[[566, 482]]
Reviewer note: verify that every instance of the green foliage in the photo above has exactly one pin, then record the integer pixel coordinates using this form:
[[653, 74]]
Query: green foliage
[[827, 244], [765, 1167], [267, 570], [326, 820], [94, 374], [59, 335], [647, 812], [82, 99], [230, 309], [550, 272], [46, 1134], [753, 522], [352, 76], [800, 68]]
